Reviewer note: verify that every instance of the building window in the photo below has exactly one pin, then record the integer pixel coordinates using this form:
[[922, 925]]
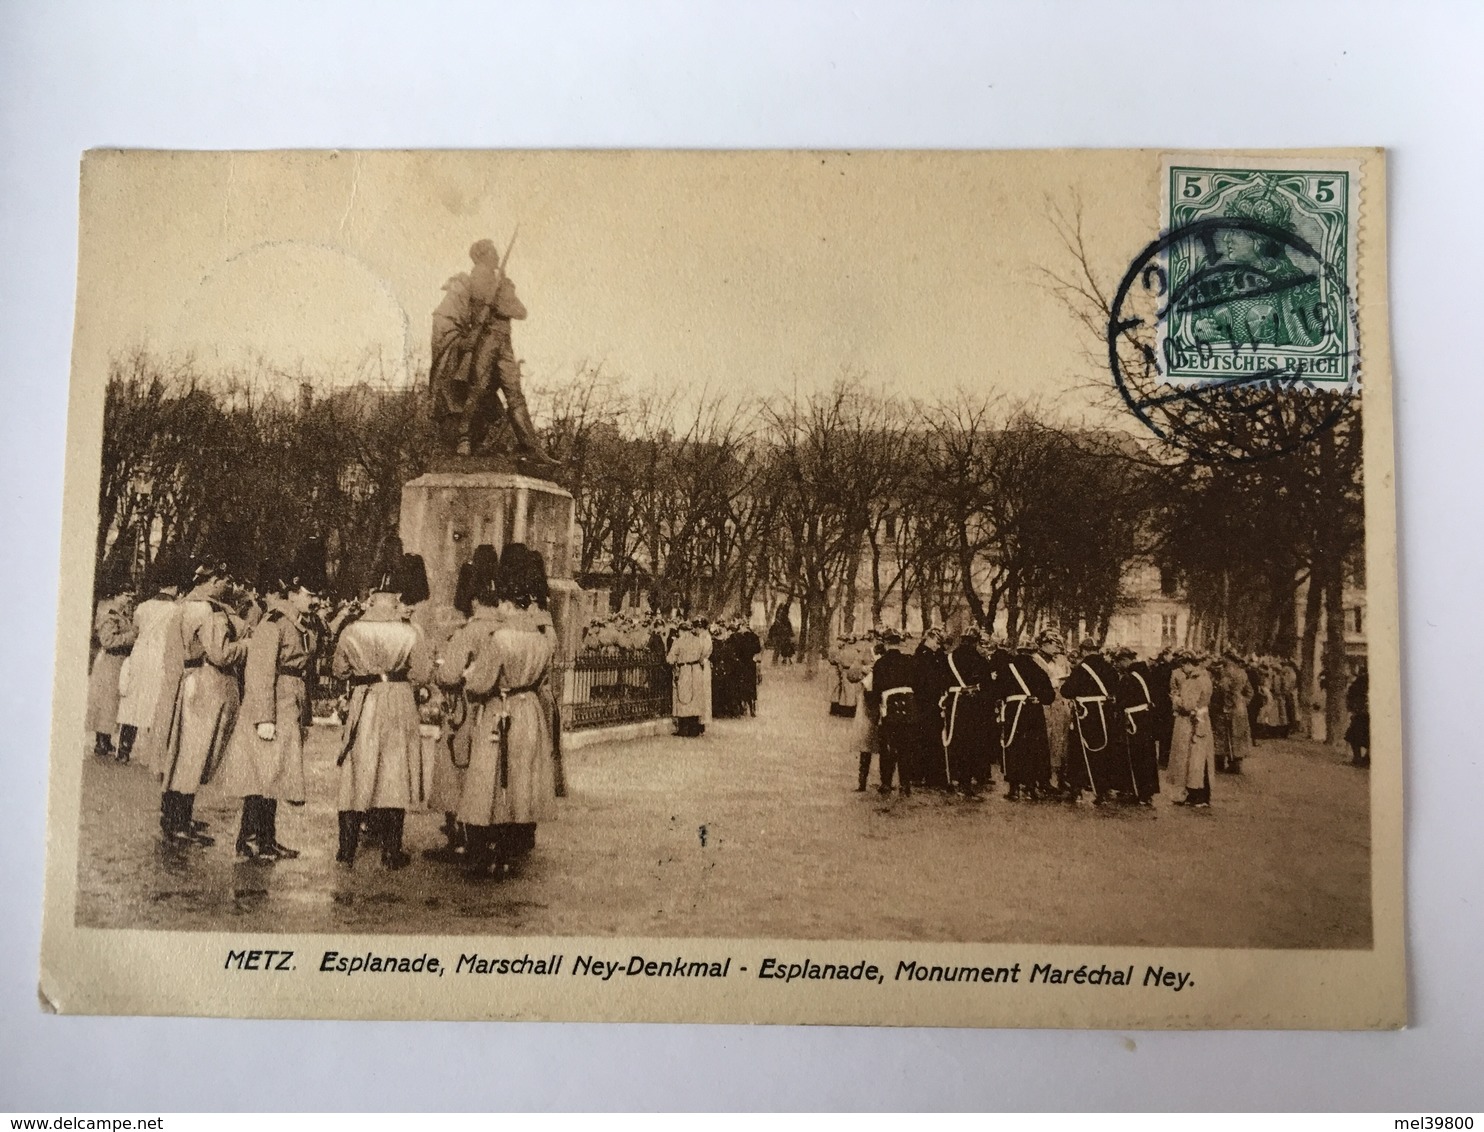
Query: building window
[[1169, 627], [1169, 581], [1354, 619]]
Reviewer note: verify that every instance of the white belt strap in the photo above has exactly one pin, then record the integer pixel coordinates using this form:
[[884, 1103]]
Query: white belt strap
[[1096, 679]]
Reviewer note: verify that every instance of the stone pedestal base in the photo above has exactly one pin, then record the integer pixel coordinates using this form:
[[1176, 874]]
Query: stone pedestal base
[[446, 514]]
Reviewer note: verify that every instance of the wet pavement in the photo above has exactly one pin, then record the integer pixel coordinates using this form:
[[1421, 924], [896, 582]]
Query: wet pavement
[[755, 830]]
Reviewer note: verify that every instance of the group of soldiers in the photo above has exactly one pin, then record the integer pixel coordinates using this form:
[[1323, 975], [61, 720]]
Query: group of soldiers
[[713, 667], [1071, 726], [207, 683], [715, 673]]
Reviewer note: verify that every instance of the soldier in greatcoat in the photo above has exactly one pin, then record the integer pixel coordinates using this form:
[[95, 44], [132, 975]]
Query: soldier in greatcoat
[[723, 672], [1022, 693], [113, 626], [384, 657], [1272, 716], [747, 647], [155, 619], [866, 737], [843, 694], [1192, 751], [968, 723], [891, 682], [688, 657], [1051, 655], [1255, 677], [1288, 685], [264, 762], [201, 691], [456, 727], [1164, 716], [1136, 710], [1092, 762], [1230, 726], [930, 683], [781, 637], [510, 785], [1358, 704]]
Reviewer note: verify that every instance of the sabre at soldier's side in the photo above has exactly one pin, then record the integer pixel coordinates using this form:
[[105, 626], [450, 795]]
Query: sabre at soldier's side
[[1090, 687]]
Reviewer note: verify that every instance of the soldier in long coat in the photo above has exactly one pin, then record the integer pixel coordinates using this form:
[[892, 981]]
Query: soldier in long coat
[[1136, 712], [1093, 763], [384, 657], [708, 643], [866, 733], [1272, 716], [968, 716], [891, 683], [1051, 655], [264, 763], [746, 647], [781, 637], [1192, 750], [1230, 727], [1164, 716], [203, 698], [1022, 693], [688, 657], [723, 674], [140, 679], [456, 726], [1358, 704], [510, 785], [843, 694], [1256, 703], [930, 682], [113, 626], [1288, 684]]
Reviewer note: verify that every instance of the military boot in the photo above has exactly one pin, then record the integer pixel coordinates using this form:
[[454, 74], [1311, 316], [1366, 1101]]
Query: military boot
[[192, 828], [249, 832], [350, 837], [392, 856], [268, 843]]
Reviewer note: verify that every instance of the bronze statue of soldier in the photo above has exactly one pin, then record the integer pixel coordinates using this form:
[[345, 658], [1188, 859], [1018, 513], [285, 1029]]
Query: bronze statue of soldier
[[474, 361]]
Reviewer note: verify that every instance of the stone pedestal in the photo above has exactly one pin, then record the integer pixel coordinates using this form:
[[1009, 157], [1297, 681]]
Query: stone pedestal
[[446, 514]]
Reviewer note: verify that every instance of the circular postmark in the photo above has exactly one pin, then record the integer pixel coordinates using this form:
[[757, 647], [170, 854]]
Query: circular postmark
[[1234, 339]]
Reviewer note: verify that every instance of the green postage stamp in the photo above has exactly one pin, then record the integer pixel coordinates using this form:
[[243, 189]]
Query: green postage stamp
[[1260, 266]]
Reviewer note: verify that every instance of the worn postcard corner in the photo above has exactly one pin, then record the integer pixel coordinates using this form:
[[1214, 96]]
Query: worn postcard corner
[[801, 587]]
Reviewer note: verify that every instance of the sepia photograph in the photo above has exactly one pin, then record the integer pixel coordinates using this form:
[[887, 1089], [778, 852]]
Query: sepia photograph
[[706, 570]]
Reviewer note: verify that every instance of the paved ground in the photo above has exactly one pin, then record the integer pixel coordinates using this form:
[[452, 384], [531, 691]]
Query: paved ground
[[755, 830]]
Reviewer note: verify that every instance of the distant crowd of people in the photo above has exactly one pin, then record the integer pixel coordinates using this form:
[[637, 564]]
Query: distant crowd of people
[[1070, 725], [207, 683]]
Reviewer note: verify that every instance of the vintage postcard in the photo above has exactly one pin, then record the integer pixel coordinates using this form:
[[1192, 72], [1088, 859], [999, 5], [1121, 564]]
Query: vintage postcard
[[907, 588]]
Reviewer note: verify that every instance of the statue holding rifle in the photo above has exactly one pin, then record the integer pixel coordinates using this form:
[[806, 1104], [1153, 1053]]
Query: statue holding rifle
[[474, 361]]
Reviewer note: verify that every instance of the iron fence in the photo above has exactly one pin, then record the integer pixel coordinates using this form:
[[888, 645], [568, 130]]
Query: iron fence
[[600, 688], [605, 686]]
